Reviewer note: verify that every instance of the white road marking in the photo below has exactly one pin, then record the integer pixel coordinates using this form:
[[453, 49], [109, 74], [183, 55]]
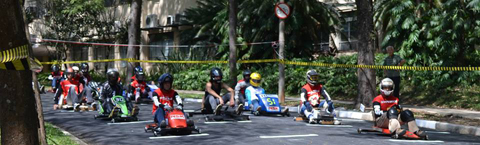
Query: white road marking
[[416, 141], [437, 132], [224, 122], [321, 125], [351, 120], [133, 122], [289, 136], [162, 137], [188, 111]]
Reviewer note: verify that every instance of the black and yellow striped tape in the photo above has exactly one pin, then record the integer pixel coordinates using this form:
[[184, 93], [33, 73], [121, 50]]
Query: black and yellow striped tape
[[289, 63], [13, 54]]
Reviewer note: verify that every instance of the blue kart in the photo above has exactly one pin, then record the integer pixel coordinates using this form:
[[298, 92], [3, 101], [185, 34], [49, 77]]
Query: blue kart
[[269, 103]]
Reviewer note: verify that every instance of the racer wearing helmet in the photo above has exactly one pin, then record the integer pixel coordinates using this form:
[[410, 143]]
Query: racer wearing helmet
[[254, 89], [164, 97], [139, 88], [57, 75], [240, 89], [111, 88], [135, 71], [212, 101], [83, 76], [68, 88], [310, 97], [389, 114]]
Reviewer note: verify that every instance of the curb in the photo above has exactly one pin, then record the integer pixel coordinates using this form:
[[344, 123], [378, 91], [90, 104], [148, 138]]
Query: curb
[[74, 138]]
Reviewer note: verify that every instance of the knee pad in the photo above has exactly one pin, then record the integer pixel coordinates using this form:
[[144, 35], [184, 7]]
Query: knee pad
[[392, 113], [407, 116]]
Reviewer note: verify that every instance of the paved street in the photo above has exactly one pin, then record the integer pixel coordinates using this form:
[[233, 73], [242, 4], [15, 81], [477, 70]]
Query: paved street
[[260, 130]]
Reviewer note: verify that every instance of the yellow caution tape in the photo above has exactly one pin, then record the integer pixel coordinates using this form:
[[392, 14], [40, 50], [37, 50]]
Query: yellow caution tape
[[284, 62], [13, 54]]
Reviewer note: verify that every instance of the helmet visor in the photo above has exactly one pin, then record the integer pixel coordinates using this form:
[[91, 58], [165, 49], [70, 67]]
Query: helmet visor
[[256, 81], [314, 78]]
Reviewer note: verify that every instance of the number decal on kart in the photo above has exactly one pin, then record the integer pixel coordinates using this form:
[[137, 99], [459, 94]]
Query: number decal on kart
[[270, 101], [119, 99]]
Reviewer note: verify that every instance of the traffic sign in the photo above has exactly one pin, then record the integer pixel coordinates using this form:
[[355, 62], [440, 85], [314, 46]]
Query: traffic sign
[[282, 10]]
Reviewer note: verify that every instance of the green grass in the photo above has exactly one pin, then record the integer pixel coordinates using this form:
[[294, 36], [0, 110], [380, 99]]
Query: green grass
[[55, 136], [459, 98], [188, 95]]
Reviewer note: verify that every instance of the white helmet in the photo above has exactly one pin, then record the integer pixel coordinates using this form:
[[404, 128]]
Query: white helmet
[[386, 82]]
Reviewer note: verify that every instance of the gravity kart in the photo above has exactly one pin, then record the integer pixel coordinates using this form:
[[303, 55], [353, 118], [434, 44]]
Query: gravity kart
[[175, 123], [120, 111]]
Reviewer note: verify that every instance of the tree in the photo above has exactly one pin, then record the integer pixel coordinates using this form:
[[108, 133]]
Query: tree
[[257, 23], [366, 54], [19, 120], [232, 35], [133, 35]]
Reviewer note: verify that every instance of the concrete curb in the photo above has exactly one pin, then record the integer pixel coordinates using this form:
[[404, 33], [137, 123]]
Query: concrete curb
[[74, 138]]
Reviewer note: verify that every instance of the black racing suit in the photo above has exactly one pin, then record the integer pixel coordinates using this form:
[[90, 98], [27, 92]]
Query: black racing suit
[[108, 91]]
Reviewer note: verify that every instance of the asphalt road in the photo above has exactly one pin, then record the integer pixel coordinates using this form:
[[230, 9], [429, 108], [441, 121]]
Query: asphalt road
[[263, 130]]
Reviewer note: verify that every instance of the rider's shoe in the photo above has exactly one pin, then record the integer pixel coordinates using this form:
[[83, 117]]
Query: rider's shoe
[[239, 109], [218, 109]]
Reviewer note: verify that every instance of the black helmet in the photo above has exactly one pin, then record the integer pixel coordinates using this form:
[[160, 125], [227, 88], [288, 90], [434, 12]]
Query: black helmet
[[246, 75], [55, 68], [216, 72], [84, 67], [140, 76], [312, 77], [112, 76], [166, 77], [138, 69]]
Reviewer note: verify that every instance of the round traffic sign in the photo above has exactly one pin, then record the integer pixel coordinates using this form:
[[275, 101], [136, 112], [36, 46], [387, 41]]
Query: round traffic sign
[[282, 10]]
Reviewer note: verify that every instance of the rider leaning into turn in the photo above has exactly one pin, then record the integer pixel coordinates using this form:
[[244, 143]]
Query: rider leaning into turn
[[110, 88], [212, 96], [240, 89], [389, 114], [139, 88], [310, 97], [68, 88], [164, 97]]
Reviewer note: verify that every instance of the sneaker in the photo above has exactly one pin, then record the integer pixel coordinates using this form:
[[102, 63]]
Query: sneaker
[[218, 109], [239, 109], [336, 122], [420, 133], [285, 111], [311, 120]]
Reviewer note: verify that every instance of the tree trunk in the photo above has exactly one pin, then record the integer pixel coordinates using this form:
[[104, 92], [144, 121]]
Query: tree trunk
[[133, 36], [232, 34], [366, 56], [281, 66], [18, 122]]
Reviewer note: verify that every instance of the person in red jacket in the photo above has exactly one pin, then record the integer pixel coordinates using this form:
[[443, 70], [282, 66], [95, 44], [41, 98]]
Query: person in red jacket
[[310, 97], [164, 97], [139, 88], [68, 88], [389, 114]]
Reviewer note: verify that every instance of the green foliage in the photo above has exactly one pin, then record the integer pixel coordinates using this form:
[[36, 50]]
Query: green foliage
[[257, 23]]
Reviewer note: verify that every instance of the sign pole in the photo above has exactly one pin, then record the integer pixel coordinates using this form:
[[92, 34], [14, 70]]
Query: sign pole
[[281, 65]]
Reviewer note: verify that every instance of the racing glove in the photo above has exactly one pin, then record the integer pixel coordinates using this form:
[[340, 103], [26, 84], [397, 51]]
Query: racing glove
[[167, 107], [308, 106], [376, 109], [179, 107]]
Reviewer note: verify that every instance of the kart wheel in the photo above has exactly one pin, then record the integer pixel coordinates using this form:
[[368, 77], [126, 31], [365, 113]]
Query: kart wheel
[[199, 131], [359, 131], [155, 133], [248, 117], [95, 116], [206, 118], [288, 114], [113, 120], [146, 129], [190, 114], [395, 136], [426, 137]]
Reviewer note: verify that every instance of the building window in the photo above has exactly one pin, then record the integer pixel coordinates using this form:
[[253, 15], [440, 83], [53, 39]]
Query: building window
[[349, 32], [160, 53]]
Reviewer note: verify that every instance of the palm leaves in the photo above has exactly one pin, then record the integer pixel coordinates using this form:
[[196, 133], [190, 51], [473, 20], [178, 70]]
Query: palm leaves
[[257, 23]]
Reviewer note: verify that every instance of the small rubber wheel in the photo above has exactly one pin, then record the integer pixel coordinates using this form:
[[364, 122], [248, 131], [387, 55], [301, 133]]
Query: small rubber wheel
[[199, 131], [248, 117], [359, 131], [95, 116], [113, 120], [395, 136], [146, 129], [426, 137], [155, 133]]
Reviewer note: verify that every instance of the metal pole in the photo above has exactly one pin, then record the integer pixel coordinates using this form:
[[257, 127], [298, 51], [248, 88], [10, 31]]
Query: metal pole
[[281, 66]]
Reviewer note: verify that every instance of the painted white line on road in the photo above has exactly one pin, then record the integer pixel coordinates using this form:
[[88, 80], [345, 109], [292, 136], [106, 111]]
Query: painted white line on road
[[289, 136], [63, 111], [437, 132], [134, 122], [193, 100], [351, 120], [163, 137], [224, 122], [416, 141], [321, 125], [188, 111]]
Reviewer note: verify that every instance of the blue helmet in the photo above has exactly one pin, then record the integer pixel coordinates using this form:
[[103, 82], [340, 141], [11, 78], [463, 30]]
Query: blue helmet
[[166, 77], [138, 69]]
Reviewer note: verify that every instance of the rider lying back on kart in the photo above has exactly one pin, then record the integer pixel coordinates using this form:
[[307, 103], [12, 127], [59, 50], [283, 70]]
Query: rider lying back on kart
[[139, 88], [212, 96], [389, 114], [310, 97], [163, 98], [252, 91]]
